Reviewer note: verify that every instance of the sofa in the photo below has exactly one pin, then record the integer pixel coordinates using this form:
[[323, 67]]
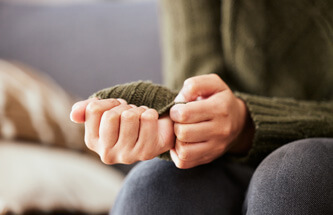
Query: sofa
[[52, 54]]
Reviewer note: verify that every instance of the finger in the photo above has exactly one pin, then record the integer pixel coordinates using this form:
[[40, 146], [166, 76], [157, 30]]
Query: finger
[[148, 137], [93, 114], [130, 126], [186, 164], [78, 110], [166, 134], [192, 112], [110, 126], [192, 151], [193, 133], [122, 101], [188, 152], [145, 107], [200, 86]]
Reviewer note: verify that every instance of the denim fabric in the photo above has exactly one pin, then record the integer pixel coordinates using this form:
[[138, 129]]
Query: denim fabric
[[159, 187], [295, 179]]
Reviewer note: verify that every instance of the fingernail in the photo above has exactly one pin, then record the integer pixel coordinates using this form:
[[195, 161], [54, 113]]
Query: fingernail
[[179, 98]]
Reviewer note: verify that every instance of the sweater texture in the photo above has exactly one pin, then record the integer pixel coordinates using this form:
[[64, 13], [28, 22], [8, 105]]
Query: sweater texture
[[277, 56], [140, 93], [144, 93]]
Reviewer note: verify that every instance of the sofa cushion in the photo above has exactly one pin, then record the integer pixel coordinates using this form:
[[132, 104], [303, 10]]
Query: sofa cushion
[[35, 108], [43, 180]]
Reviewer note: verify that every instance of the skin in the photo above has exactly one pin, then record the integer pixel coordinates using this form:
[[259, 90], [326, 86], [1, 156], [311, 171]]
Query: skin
[[122, 133], [212, 122]]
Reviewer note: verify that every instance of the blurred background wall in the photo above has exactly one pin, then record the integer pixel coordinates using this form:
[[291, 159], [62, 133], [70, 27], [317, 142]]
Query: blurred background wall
[[84, 46]]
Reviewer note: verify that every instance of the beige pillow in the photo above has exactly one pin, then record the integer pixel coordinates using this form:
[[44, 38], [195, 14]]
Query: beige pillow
[[47, 180], [35, 108]]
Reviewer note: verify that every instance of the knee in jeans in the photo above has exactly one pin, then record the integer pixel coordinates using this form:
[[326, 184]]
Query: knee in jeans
[[142, 188], [299, 161], [301, 157], [147, 177], [299, 173]]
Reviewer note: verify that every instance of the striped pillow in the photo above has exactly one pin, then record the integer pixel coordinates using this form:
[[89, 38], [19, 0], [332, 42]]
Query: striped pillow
[[35, 108]]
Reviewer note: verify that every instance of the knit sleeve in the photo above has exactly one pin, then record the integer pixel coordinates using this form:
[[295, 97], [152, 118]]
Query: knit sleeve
[[191, 39], [279, 121]]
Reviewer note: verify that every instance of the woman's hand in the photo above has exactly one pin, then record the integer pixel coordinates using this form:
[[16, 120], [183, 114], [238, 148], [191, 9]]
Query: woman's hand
[[213, 122], [122, 133]]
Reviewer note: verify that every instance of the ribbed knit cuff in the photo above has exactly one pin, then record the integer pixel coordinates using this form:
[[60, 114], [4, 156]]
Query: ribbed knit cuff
[[140, 93], [279, 121]]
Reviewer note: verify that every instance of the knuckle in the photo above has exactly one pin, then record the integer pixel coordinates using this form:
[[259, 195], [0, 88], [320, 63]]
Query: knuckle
[[183, 115], [146, 156], [227, 131], [128, 115], [184, 155], [223, 111], [120, 158], [224, 131], [89, 143], [150, 115], [213, 75], [140, 109], [191, 85], [182, 133], [112, 101], [93, 107], [121, 101], [139, 147], [105, 158], [224, 107], [110, 115], [181, 165], [190, 81], [124, 159], [164, 145], [216, 77]]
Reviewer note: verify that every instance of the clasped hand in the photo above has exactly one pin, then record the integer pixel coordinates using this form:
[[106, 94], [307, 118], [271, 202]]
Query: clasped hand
[[212, 122]]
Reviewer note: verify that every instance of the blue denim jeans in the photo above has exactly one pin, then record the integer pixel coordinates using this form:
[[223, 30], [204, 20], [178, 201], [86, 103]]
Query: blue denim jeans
[[294, 179]]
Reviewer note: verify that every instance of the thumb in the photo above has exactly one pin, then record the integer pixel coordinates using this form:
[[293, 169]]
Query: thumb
[[199, 87]]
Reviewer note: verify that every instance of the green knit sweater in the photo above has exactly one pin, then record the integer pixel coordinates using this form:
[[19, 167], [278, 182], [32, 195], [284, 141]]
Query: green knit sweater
[[276, 55], [279, 54]]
